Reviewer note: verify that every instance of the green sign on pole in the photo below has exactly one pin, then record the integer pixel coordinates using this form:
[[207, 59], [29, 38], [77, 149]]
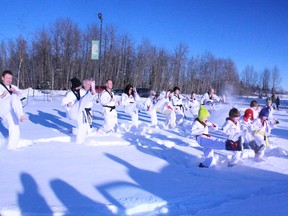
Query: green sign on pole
[[95, 50]]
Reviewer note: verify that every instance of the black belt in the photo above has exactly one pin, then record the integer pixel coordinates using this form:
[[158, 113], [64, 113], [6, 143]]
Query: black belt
[[180, 105], [111, 107], [89, 116]]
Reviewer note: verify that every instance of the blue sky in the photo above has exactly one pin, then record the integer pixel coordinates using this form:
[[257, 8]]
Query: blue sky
[[251, 32]]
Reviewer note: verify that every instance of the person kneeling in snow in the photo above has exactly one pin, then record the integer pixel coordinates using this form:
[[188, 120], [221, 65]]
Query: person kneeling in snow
[[201, 131], [245, 126], [235, 140], [261, 128], [75, 103]]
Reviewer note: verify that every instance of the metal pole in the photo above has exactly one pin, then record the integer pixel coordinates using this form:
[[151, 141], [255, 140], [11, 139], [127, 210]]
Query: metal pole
[[99, 65]]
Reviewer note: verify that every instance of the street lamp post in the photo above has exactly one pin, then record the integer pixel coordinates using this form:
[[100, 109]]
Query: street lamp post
[[100, 40]]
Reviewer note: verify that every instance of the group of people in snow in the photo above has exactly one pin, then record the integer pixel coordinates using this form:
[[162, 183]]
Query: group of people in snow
[[249, 131]]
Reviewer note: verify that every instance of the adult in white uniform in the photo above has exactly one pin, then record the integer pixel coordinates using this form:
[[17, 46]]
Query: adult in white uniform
[[210, 98], [75, 103], [177, 102], [108, 101], [129, 101], [192, 105], [149, 104], [11, 109]]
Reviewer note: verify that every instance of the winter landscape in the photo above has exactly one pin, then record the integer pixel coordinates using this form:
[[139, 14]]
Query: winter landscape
[[148, 171]]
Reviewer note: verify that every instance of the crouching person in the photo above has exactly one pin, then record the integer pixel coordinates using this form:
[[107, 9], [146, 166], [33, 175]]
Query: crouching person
[[235, 140], [75, 103], [200, 129], [245, 125], [261, 128]]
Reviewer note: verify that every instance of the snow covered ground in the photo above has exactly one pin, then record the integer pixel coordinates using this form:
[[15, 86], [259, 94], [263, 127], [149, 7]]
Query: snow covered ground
[[150, 171]]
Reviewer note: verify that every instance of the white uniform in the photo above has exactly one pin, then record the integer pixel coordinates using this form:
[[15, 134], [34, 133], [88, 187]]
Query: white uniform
[[206, 98], [245, 126], [261, 131], [148, 105], [77, 111], [109, 111], [193, 106], [165, 107], [130, 107], [178, 107], [11, 111], [208, 143]]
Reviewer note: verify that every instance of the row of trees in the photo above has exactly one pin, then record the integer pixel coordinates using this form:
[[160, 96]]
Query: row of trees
[[53, 55], [263, 82]]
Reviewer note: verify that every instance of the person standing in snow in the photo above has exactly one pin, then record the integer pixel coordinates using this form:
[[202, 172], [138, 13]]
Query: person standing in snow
[[108, 101], [11, 109], [74, 103], [210, 99], [129, 101], [148, 106], [277, 102], [87, 85], [177, 102], [192, 105], [165, 107]]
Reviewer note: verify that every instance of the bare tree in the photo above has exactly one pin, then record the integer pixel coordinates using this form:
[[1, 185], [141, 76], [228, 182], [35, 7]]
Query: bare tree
[[276, 79]]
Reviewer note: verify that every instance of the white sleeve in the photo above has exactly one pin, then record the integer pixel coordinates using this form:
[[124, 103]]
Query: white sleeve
[[124, 99], [69, 98], [105, 98], [196, 129]]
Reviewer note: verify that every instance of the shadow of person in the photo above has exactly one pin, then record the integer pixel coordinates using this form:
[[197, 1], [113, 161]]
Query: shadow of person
[[48, 120], [30, 200], [4, 131], [76, 203]]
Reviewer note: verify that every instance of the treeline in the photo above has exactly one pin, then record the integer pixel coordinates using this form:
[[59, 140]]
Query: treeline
[[55, 54]]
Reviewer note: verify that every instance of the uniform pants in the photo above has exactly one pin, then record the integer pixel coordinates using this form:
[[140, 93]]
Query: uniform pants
[[211, 143], [11, 111], [110, 120]]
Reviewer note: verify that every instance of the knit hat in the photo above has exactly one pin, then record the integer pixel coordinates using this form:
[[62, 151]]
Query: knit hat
[[248, 114], [234, 113], [75, 82], [203, 113], [264, 112], [268, 99]]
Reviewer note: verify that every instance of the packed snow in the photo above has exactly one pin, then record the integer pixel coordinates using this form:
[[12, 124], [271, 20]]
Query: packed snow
[[144, 171]]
